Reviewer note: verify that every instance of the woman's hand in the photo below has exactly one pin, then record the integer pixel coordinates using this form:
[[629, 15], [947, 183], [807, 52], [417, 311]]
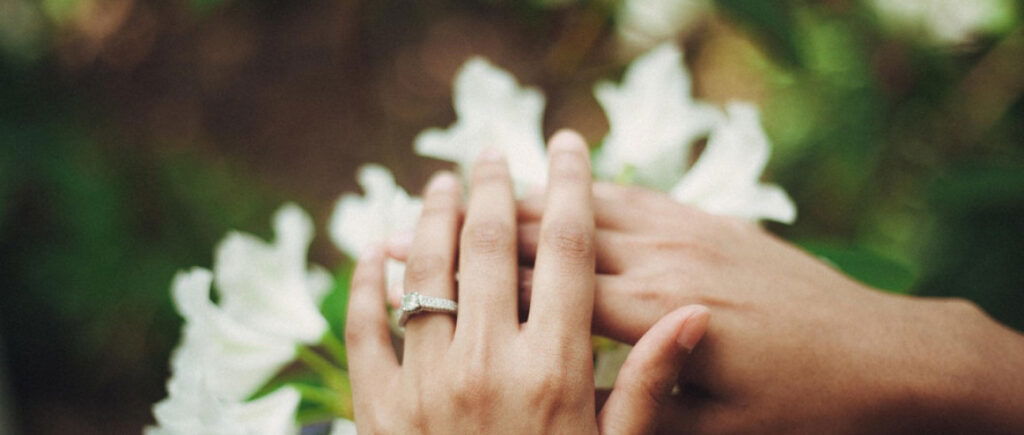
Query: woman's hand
[[796, 346], [484, 371]]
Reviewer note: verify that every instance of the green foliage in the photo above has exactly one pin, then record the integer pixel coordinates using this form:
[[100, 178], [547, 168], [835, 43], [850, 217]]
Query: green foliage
[[872, 268], [772, 20], [976, 252], [335, 304], [875, 137]]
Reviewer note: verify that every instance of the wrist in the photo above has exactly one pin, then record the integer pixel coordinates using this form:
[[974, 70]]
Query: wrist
[[993, 398], [962, 371]]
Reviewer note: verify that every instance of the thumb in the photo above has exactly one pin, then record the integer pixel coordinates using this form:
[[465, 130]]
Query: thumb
[[651, 370]]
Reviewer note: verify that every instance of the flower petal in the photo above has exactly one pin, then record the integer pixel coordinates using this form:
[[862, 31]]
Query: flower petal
[[359, 222], [237, 358], [724, 180], [192, 407], [265, 286], [642, 24], [493, 111], [653, 120]]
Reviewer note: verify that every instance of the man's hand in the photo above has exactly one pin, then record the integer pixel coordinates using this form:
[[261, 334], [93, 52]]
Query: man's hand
[[795, 346]]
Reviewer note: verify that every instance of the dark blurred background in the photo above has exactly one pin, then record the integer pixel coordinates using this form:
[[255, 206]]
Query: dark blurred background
[[135, 133]]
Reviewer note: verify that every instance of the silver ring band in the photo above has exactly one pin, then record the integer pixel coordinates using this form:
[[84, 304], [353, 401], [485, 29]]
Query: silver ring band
[[415, 303]]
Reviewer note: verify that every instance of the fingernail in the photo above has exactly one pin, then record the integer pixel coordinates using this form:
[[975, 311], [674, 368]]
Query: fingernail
[[400, 242], [694, 326], [443, 181], [490, 154]]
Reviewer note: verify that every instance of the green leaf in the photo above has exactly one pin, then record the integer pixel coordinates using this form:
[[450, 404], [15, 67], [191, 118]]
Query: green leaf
[[772, 21], [335, 304], [974, 187], [867, 266]]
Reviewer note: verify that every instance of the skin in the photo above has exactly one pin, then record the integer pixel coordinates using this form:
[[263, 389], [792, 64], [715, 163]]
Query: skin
[[796, 346], [485, 371]]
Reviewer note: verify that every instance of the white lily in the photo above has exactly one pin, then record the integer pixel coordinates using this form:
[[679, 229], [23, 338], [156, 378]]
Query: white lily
[[653, 120], [493, 111], [642, 24], [268, 287], [268, 301], [724, 180], [360, 222], [236, 359], [194, 408]]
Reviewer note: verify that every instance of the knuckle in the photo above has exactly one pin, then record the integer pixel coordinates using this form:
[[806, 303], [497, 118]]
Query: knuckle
[[652, 290], [358, 333], [570, 240], [554, 389], [424, 269], [472, 387], [364, 281], [435, 207], [692, 249], [489, 237], [655, 391], [418, 418]]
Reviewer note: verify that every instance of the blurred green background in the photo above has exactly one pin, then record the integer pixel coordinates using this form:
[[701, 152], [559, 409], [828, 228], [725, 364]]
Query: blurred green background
[[135, 133]]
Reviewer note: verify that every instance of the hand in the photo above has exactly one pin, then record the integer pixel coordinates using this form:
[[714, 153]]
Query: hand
[[795, 346], [484, 371]]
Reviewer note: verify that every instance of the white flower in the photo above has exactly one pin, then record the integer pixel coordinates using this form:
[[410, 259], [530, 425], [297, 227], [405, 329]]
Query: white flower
[[360, 222], [653, 120], [268, 287], [193, 408], [946, 21], [493, 111], [267, 306], [642, 24], [342, 426], [268, 301], [724, 180], [236, 359]]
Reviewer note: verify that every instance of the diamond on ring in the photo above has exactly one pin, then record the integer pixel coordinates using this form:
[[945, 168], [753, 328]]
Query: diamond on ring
[[415, 303]]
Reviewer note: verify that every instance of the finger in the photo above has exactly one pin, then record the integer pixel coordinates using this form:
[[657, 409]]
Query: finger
[[399, 245], [611, 248], [487, 251], [430, 267], [619, 207], [372, 362], [623, 310], [651, 370], [563, 279]]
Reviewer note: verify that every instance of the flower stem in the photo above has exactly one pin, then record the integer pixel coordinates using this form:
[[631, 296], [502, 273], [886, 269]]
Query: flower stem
[[336, 349], [319, 364], [334, 378]]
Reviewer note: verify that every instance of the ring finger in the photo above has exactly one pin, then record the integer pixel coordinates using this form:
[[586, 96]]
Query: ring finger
[[430, 266]]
